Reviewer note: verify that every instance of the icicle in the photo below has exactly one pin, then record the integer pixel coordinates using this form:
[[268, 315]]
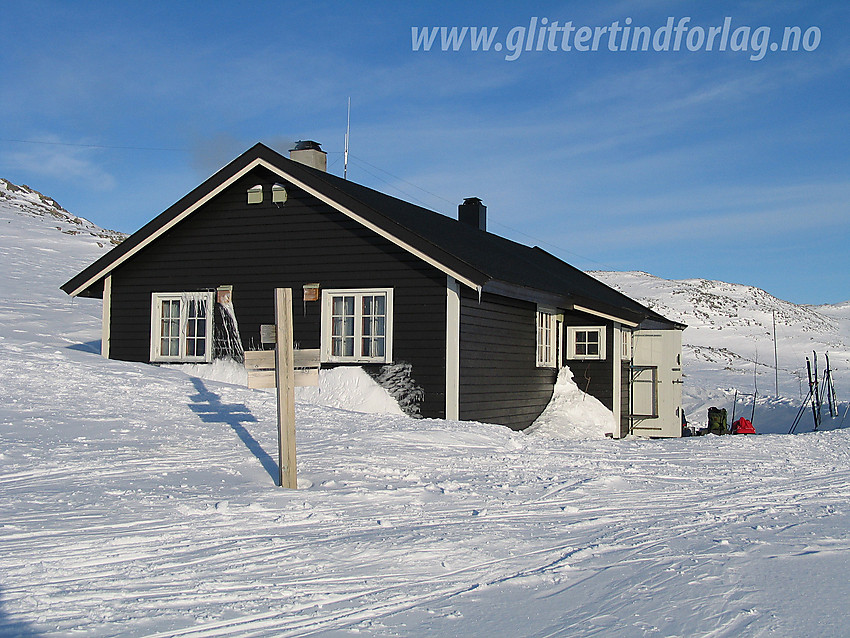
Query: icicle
[[228, 343]]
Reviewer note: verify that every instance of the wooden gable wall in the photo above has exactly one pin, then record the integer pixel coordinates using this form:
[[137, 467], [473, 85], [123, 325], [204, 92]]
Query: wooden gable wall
[[258, 247]]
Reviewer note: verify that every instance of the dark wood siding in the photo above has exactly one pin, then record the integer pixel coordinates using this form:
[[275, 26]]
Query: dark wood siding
[[596, 377], [499, 379], [625, 398], [258, 247]]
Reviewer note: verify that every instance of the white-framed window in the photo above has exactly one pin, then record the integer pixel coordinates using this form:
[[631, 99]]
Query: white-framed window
[[626, 346], [182, 326], [357, 325], [586, 342], [548, 337]]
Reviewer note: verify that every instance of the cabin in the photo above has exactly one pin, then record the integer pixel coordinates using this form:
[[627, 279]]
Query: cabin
[[465, 323]]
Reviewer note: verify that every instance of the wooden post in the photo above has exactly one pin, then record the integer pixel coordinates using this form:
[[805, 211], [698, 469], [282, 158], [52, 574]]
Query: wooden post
[[285, 388]]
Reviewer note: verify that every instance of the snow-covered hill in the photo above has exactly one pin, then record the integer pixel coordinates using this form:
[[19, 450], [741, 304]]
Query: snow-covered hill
[[138, 500], [729, 346], [23, 200]]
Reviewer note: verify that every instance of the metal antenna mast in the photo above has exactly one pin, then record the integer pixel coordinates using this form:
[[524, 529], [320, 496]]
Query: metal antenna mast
[[347, 131]]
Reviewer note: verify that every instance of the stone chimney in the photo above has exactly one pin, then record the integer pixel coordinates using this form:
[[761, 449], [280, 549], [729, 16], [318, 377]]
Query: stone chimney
[[309, 153], [473, 212]]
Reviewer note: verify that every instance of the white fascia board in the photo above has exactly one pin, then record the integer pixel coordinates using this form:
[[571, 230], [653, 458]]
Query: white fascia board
[[106, 316], [380, 231], [596, 313], [452, 349], [171, 224], [277, 171]]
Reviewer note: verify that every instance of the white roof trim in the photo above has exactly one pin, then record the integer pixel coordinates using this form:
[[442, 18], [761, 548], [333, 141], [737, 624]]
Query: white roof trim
[[596, 313], [380, 231], [327, 200]]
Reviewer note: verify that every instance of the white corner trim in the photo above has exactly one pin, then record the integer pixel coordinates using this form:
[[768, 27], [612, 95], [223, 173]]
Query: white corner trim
[[596, 313], [452, 349], [283, 174], [616, 360], [106, 316]]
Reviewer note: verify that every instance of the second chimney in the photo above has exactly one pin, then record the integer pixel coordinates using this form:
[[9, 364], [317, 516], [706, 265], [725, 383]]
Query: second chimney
[[473, 212], [309, 153]]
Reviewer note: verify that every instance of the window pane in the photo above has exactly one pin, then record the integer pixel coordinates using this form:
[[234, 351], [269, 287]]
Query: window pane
[[358, 325], [183, 326], [593, 349]]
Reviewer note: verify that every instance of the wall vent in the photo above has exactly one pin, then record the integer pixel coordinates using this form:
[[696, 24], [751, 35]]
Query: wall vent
[[279, 194], [255, 194]]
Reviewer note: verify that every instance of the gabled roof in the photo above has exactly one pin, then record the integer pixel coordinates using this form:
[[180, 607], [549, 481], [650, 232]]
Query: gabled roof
[[478, 259]]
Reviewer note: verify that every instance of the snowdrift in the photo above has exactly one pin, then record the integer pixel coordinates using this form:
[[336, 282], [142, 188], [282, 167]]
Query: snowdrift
[[573, 414]]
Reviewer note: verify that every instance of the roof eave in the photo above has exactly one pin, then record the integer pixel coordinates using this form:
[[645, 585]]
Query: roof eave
[[261, 155]]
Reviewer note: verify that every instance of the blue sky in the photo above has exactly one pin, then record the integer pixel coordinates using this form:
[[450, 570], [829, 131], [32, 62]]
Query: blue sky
[[681, 163]]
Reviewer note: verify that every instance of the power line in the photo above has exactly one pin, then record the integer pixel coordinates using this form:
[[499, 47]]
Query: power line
[[359, 159], [515, 230], [123, 148], [401, 179], [381, 179]]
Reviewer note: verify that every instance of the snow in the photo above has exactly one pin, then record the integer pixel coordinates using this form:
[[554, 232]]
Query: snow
[[344, 388], [573, 414], [138, 500]]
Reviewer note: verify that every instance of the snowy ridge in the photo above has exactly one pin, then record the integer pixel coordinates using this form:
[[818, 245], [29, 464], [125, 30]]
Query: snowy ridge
[[138, 501], [728, 345], [27, 201], [701, 303]]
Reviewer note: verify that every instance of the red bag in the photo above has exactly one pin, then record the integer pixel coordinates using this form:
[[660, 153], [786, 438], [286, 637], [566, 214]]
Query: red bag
[[743, 426]]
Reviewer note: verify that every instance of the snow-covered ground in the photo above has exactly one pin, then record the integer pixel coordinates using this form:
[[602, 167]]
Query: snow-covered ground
[[139, 501]]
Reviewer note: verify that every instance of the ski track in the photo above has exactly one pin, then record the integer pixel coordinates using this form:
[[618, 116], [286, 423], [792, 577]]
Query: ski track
[[137, 500], [380, 540]]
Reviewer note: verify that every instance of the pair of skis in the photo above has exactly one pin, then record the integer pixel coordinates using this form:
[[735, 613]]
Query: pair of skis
[[817, 390]]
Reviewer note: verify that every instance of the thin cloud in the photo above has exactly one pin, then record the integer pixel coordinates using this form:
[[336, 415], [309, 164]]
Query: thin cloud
[[48, 157]]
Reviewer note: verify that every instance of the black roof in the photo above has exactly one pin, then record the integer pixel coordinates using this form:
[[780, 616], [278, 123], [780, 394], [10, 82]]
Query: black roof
[[490, 262]]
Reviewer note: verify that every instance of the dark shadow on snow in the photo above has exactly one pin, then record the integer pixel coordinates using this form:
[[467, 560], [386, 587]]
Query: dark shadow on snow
[[90, 346], [12, 627], [209, 407]]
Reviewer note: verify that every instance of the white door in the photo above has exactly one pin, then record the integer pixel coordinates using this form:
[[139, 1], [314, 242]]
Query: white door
[[657, 383]]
